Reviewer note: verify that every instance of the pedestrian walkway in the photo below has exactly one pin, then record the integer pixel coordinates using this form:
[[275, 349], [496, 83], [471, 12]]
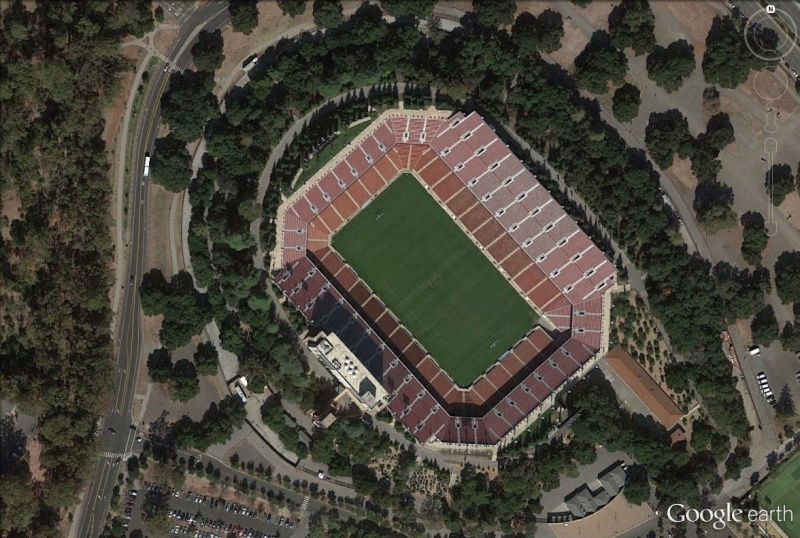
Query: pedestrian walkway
[[304, 506]]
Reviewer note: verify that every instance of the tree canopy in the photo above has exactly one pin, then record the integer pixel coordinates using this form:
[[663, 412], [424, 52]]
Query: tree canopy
[[543, 34], [631, 25], [727, 61], [713, 202], [667, 134], [782, 181], [669, 66], [206, 359], [599, 63], [626, 102], [327, 13], [293, 8], [244, 15], [188, 104], [207, 52], [494, 13], [171, 163], [787, 277], [765, 326], [754, 237]]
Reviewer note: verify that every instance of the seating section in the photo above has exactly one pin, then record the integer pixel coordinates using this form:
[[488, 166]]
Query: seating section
[[509, 214]]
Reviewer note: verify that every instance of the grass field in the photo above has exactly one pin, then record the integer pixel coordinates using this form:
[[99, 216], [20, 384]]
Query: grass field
[[783, 489], [434, 279]]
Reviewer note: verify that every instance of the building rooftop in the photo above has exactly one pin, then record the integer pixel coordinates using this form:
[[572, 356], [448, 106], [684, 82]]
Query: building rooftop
[[644, 387]]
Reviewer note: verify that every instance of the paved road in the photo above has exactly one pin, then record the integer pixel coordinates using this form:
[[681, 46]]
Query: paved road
[[118, 417]]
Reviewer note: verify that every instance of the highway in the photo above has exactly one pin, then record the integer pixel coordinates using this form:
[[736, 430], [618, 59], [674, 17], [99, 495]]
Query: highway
[[95, 505]]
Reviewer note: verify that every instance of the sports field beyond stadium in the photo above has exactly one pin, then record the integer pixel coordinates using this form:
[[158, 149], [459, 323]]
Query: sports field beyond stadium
[[435, 280], [783, 489]]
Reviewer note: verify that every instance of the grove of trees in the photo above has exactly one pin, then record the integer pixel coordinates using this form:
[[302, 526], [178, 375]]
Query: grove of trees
[[171, 164], [599, 63], [727, 61], [668, 67], [632, 25], [60, 65], [666, 135]]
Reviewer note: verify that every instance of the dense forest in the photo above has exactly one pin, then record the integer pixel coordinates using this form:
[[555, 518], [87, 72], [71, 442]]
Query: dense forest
[[60, 64]]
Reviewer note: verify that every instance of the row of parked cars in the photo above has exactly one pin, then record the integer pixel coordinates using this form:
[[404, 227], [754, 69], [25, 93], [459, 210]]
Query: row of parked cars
[[763, 385]]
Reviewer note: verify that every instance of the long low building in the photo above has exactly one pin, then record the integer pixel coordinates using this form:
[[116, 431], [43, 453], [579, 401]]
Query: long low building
[[507, 214]]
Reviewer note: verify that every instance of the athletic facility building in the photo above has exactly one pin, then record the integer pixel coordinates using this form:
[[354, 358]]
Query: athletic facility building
[[449, 272]]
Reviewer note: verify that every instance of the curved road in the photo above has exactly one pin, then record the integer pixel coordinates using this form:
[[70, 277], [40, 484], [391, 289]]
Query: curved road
[[94, 507]]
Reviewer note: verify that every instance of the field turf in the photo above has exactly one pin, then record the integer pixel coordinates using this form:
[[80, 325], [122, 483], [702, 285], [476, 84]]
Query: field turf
[[783, 489], [434, 279]]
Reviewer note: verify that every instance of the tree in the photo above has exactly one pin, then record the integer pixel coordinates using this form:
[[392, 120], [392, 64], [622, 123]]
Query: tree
[[159, 365], [787, 277], [631, 25], [544, 34], [206, 358], [327, 13], [667, 133], [494, 13], [599, 63], [293, 8], [764, 326], [188, 104], [207, 51], [754, 237], [421, 9], [637, 485], [790, 337], [727, 60], [737, 461], [244, 15], [171, 165], [719, 131], [627, 100], [154, 292], [668, 67], [785, 407], [183, 381], [705, 164], [781, 181], [713, 203]]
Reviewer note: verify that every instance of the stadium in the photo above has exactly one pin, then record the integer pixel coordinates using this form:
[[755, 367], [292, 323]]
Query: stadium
[[450, 274]]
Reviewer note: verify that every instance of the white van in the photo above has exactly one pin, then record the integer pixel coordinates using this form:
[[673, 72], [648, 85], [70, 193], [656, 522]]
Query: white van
[[755, 350]]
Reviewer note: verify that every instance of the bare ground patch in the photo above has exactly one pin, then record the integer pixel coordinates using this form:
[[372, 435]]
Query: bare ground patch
[[34, 461], [158, 247], [10, 210], [163, 39], [682, 177], [695, 18]]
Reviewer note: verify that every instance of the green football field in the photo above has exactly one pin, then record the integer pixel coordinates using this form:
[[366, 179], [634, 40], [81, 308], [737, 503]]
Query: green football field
[[783, 489], [434, 279]]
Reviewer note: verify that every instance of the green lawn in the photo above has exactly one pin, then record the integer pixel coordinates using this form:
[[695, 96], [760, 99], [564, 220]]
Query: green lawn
[[434, 279], [783, 489]]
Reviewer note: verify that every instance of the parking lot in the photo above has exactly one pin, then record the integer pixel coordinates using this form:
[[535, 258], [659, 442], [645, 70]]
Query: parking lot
[[203, 516]]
